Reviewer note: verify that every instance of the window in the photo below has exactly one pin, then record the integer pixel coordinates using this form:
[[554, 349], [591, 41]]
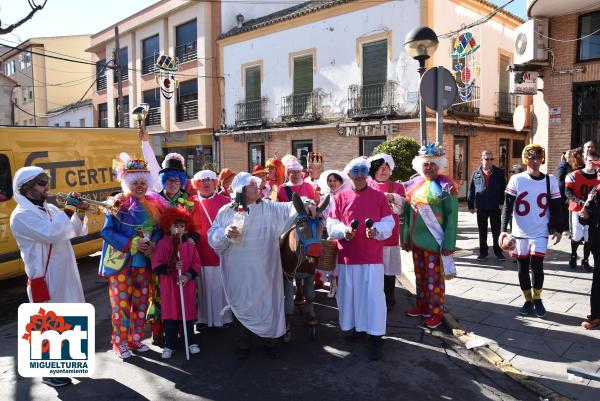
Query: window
[[31, 122], [101, 74], [30, 95], [301, 149], [82, 122], [103, 115], [123, 61], [125, 106], [589, 46], [517, 148], [25, 60], [5, 179], [9, 68], [303, 85], [152, 97], [67, 123], [503, 74], [503, 155], [374, 62], [150, 52], [56, 124], [185, 41], [586, 113], [367, 145], [187, 104], [252, 82], [256, 154]]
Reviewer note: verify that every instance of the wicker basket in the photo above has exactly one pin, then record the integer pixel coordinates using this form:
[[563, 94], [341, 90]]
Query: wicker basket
[[329, 259]]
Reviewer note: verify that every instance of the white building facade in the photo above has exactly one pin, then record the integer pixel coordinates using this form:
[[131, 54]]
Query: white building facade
[[78, 115]]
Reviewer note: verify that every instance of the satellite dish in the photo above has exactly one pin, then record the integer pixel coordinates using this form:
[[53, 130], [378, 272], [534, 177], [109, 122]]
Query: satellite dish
[[521, 43]]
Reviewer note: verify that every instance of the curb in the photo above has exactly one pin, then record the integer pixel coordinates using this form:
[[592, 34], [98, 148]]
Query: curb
[[545, 393]]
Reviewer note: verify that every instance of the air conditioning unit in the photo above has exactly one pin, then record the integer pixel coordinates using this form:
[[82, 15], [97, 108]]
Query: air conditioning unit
[[531, 42]]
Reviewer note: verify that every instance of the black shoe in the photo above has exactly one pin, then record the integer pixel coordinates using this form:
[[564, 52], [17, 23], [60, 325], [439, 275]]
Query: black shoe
[[200, 327], [526, 309], [56, 381], [354, 336], [482, 256], [540, 311], [375, 348], [573, 262], [586, 266], [500, 256], [272, 351], [159, 341]]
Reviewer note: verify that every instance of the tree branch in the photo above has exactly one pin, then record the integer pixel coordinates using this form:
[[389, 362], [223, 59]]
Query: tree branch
[[34, 8]]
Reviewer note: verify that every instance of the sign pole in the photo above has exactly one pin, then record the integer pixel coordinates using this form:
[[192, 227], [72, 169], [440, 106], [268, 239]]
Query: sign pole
[[439, 115]]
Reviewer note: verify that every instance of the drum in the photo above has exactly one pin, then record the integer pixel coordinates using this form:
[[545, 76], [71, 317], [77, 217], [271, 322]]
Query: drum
[[328, 260]]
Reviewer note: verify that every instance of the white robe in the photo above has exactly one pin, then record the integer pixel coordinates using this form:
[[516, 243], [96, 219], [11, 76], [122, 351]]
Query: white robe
[[252, 273], [34, 230], [359, 295]]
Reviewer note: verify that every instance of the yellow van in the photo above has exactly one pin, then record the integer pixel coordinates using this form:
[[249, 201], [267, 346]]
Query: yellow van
[[77, 159]]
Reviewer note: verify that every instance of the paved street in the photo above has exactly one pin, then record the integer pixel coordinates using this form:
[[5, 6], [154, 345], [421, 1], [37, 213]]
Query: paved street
[[417, 365], [485, 299]]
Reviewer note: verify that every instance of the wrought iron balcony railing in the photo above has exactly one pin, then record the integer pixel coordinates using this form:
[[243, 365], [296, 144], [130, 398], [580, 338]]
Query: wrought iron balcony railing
[[373, 100], [153, 117], [149, 64], [125, 119], [101, 82], [467, 106], [103, 121], [187, 110], [302, 107], [250, 113], [186, 51], [506, 104]]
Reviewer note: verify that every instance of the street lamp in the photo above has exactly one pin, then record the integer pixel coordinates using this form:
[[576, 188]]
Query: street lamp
[[420, 44]]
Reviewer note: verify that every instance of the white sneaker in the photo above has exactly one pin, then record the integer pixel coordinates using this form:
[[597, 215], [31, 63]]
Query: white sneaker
[[194, 349], [167, 353], [121, 351]]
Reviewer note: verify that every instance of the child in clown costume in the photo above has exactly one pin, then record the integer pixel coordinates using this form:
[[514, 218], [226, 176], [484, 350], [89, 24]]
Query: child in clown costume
[[430, 222], [129, 239], [174, 255]]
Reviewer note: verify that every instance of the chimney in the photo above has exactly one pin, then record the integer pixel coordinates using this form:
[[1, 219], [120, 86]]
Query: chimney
[[240, 20]]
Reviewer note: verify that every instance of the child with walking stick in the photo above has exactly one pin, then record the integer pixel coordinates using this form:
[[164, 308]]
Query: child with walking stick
[[177, 264]]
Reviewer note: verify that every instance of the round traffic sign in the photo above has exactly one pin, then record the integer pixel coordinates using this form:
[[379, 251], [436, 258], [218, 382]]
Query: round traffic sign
[[438, 78]]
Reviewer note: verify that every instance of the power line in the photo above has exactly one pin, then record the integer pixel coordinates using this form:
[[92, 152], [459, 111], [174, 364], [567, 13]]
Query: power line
[[479, 21], [50, 56], [45, 50]]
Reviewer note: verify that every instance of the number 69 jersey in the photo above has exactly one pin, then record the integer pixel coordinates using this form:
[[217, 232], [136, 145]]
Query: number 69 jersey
[[531, 213]]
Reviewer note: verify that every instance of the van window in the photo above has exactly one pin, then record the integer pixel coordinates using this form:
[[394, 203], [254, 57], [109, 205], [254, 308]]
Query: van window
[[5, 179]]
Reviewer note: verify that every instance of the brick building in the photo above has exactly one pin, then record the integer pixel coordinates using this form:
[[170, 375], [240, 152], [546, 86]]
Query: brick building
[[333, 77], [567, 105]]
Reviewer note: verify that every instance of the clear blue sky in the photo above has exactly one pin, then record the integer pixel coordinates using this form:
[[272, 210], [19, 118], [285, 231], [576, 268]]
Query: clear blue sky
[[71, 17]]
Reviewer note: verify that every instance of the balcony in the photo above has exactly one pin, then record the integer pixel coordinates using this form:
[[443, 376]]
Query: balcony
[[186, 111], [153, 117], [186, 51], [376, 100], [125, 119], [250, 113], [149, 64], [101, 82], [302, 107], [103, 121], [466, 108], [506, 104]]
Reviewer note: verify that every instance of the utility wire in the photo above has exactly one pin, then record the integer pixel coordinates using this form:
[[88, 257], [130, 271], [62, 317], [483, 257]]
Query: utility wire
[[479, 21]]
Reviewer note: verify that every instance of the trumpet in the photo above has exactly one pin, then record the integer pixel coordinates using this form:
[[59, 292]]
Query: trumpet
[[111, 204]]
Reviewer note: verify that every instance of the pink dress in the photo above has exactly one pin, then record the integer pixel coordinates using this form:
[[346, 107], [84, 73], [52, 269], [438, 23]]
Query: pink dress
[[203, 223], [396, 188], [350, 205], [169, 290], [304, 189]]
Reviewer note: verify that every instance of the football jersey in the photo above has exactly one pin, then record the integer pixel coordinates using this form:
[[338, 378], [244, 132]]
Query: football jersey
[[581, 183], [531, 212]]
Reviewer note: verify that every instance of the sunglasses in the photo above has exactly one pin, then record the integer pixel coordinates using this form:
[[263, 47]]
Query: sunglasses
[[41, 183], [359, 171], [488, 158]]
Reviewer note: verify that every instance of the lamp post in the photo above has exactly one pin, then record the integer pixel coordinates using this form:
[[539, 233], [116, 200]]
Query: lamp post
[[139, 114], [420, 44]]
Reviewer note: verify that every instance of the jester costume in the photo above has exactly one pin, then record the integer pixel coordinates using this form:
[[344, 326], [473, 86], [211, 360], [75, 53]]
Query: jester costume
[[127, 269], [431, 219]]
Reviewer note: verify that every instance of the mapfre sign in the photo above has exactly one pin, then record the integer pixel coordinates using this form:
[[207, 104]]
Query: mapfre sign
[[523, 82]]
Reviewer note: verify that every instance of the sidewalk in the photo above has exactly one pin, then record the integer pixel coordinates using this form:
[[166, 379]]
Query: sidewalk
[[485, 298]]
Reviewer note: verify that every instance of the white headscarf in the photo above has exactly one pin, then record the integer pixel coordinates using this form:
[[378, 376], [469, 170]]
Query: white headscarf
[[346, 183], [241, 180], [23, 176], [386, 158], [205, 174], [357, 162]]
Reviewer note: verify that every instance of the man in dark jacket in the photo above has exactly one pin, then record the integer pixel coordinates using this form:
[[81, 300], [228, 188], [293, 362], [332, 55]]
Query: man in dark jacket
[[486, 195]]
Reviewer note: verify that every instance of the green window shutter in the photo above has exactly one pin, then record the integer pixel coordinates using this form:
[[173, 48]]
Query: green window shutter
[[252, 83], [303, 75], [504, 74], [374, 62]]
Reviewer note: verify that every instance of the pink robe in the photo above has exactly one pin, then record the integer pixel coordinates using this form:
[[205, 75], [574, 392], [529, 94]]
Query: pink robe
[[212, 206], [398, 189], [304, 189], [169, 290]]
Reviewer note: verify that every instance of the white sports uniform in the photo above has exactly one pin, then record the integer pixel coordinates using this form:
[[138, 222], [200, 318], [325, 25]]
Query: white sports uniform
[[531, 213]]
